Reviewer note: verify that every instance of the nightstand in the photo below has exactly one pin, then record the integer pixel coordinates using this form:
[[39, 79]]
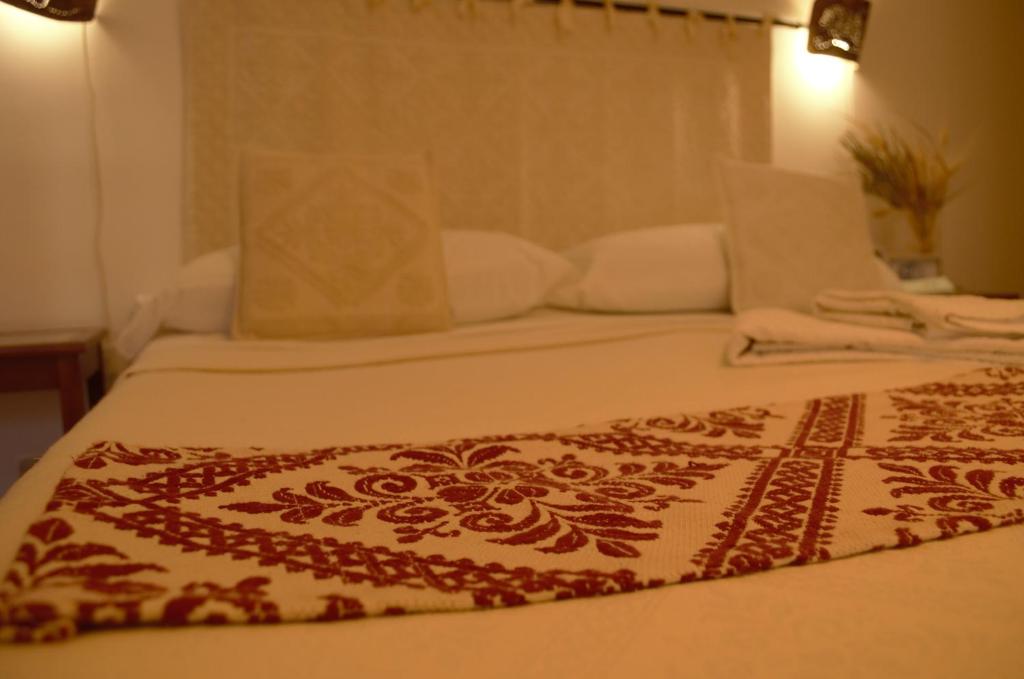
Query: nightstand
[[67, 360]]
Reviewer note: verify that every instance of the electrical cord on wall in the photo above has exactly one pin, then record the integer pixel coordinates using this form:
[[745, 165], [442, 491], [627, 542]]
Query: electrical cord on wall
[[101, 265]]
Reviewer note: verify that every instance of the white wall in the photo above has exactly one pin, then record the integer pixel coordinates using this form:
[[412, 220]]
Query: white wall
[[49, 185], [136, 56], [48, 275], [812, 103]]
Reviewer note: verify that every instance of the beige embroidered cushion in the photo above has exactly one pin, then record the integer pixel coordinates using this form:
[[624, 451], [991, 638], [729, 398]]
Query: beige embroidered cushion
[[792, 235], [337, 246]]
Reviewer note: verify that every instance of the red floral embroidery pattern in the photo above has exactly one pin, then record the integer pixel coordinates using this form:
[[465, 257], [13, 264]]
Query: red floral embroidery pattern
[[344, 532], [958, 501], [954, 421], [112, 595], [996, 381], [354, 563], [746, 423], [98, 455], [47, 559], [149, 509], [562, 503], [210, 603], [104, 452]]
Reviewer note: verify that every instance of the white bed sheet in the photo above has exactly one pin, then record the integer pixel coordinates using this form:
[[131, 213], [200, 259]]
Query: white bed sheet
[[944, 609]]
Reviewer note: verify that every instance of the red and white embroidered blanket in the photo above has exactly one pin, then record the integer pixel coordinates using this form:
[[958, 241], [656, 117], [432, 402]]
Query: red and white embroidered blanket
[[136, 535]]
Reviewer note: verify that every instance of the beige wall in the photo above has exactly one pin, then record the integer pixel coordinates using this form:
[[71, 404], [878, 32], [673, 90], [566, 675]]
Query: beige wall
[[48, 271], [956, 65], [47, 190], [812, 100]]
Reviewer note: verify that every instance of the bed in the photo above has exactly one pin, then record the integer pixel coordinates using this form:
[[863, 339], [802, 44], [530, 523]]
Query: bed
[[580, 392], [946, 608]]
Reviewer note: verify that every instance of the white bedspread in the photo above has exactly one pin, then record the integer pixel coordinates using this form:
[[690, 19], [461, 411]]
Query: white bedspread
[[544, 328], [945, 609]]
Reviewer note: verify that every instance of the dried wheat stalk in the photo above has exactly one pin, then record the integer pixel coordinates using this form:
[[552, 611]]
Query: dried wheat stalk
[[911, 175]]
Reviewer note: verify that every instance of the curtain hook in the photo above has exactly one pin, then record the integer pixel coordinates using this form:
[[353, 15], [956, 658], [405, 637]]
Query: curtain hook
[[563, 15], [729, 28], [694, 17], [653, 14]]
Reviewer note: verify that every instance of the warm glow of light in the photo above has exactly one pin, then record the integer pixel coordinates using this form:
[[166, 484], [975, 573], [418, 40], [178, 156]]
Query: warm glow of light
[[812, 103], [26, 28], [820, 73]]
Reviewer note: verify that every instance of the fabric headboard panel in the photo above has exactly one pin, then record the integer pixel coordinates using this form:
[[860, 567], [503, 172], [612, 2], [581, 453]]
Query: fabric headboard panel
[[554, 130]]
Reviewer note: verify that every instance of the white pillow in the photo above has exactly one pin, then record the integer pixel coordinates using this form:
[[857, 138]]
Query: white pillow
[[792, 235], [494, 275], [203, 294], [663, 268], [490, 275], [201, 300]]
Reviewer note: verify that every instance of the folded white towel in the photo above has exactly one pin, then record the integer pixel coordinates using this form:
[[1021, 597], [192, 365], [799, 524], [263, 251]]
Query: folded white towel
[[935, 316], [765, 336]]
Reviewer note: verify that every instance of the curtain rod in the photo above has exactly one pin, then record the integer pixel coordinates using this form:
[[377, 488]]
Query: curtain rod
[[676, 11]]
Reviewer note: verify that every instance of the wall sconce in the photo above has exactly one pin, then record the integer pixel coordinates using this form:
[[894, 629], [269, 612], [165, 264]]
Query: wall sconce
[[837, 28], [65, 10]]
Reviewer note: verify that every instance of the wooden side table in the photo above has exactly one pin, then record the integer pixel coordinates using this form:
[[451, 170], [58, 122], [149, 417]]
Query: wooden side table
[[67, 360]]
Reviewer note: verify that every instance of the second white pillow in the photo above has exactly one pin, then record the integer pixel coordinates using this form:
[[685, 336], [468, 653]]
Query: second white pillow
[[663, 268], [493, 275]]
